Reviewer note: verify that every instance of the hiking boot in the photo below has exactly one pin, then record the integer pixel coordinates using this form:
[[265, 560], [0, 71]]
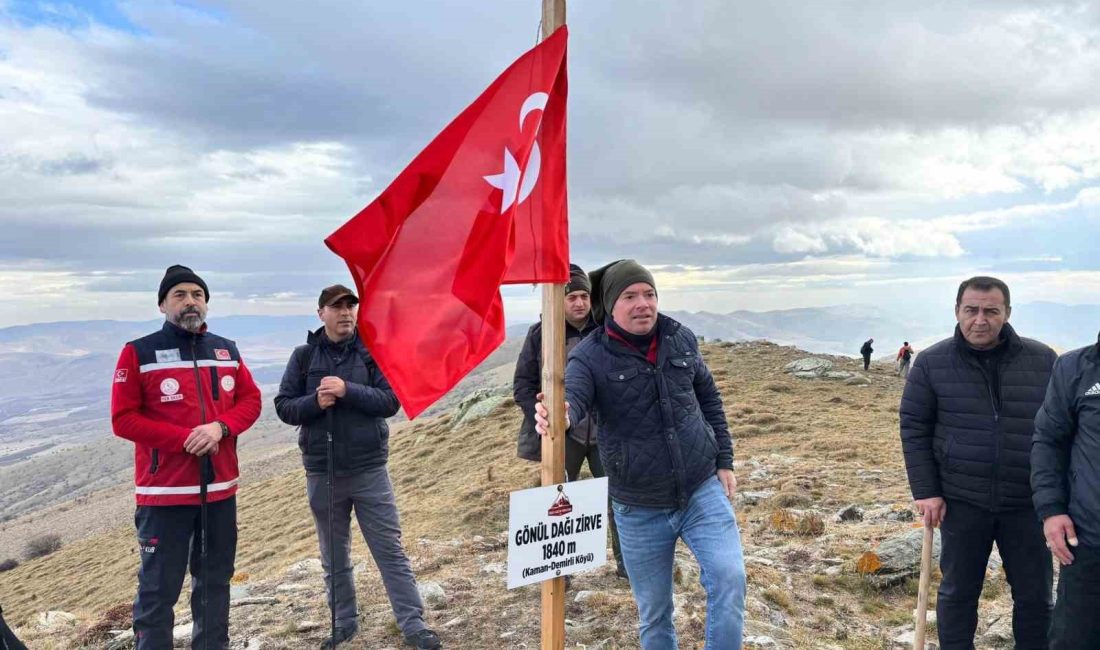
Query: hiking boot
[[620, 570], [342, 634], [424, 640]]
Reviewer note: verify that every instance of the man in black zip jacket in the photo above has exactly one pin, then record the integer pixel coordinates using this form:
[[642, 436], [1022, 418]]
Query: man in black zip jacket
[[1065, 456], [334, 372], [966, 425], [580, 444]]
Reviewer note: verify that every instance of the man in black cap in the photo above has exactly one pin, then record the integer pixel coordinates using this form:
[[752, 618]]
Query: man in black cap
[[183, 395], [333, 384], [580, 444], [664, 441]]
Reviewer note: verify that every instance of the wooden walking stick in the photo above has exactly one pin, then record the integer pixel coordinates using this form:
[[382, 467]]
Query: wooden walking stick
[[925, 580]]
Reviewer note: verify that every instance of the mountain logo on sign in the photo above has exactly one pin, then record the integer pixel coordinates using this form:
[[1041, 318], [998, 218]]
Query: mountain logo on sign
[[561, 505]]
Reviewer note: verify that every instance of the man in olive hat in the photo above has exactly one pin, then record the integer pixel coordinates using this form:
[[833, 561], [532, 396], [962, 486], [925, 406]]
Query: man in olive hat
[[580, 444], [669, 458]]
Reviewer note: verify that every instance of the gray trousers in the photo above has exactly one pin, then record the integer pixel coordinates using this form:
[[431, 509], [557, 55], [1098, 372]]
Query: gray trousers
[[370, 494]]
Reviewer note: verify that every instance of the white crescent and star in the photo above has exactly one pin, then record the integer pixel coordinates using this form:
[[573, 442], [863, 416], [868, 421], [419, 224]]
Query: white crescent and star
[[509, 179]]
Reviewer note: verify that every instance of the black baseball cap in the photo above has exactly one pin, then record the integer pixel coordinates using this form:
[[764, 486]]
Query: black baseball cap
[[330, 295]]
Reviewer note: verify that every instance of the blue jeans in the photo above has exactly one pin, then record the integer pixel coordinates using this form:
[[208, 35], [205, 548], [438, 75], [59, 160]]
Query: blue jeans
[[708, 527]]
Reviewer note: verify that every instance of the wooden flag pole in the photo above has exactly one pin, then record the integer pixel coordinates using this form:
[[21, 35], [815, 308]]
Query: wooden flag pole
[[553, 391]]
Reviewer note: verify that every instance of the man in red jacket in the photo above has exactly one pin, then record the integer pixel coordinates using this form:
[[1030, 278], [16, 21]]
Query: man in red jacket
[[183, 395]]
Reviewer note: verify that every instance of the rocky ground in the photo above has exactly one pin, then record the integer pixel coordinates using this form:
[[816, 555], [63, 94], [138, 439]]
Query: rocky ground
[[831, 548]]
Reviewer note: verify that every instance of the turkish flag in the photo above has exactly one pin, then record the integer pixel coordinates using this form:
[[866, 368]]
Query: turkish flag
[[483, 204]]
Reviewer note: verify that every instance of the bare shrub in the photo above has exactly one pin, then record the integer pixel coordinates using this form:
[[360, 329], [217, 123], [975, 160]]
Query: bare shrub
[[42, 545]]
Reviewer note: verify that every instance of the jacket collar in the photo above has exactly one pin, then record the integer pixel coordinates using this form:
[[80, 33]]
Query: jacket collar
[[589, 325], [171, 329], [1010, 340], [317, 337], [665, 328]]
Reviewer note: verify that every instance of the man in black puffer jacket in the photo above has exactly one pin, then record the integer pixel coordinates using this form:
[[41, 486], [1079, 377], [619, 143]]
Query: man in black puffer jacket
[[664, 442], [966, 425], [332, 381], [1064, 461]]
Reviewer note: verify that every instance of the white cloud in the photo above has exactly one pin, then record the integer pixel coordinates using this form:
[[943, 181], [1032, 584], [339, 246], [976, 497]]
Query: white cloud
[[236, 136]]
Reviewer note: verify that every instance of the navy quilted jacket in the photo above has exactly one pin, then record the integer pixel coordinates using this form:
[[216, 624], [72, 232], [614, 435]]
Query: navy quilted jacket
[[963, 442], [662, 429]]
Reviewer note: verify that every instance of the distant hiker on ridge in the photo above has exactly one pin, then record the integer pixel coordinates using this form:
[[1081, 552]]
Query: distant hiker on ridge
[[580, 443], [905, 357], [966, 428], [669, 457], [866, 351], [183, 395], [333, 386]]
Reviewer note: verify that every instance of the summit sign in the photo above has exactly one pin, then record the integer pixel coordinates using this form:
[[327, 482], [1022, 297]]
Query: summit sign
[[556, 530]]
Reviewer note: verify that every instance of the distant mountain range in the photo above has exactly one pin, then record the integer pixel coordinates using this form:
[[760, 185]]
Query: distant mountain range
[[54, 377]]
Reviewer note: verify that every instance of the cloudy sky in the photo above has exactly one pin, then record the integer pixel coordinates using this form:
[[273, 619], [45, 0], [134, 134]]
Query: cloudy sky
[[760, 155]]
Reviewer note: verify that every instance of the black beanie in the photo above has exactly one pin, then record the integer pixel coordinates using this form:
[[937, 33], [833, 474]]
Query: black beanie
[[612, 280], [578, 280], [177, 274]]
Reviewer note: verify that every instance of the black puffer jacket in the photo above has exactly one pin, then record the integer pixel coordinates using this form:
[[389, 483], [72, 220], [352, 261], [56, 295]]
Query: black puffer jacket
[[962, 439], [1065, 457], [662, 428], [360, 433], [527, 384]]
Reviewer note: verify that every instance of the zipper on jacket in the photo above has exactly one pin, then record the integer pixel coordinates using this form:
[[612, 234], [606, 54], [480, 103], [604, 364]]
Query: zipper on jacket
[[203, 478], [214, 382], [155, 463], [996, 482], [664, 402], [198, 381]]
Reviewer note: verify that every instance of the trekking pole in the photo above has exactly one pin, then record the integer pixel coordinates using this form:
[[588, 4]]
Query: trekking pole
[[922, 594], [331, 536], [205, 469]]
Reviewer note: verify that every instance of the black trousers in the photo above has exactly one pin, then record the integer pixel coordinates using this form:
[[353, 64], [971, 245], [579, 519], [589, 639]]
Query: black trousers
[[968, 534], [1076, 625], [169, 540], [575, 455], [866, 362]]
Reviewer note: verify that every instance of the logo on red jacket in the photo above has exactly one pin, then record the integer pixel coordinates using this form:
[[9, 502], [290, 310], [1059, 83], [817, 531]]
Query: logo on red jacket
[[228, 383], [222, 355], [170, 389], [120, 375]]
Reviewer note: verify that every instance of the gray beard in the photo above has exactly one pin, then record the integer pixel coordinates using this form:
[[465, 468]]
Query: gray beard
[[190, 322]]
